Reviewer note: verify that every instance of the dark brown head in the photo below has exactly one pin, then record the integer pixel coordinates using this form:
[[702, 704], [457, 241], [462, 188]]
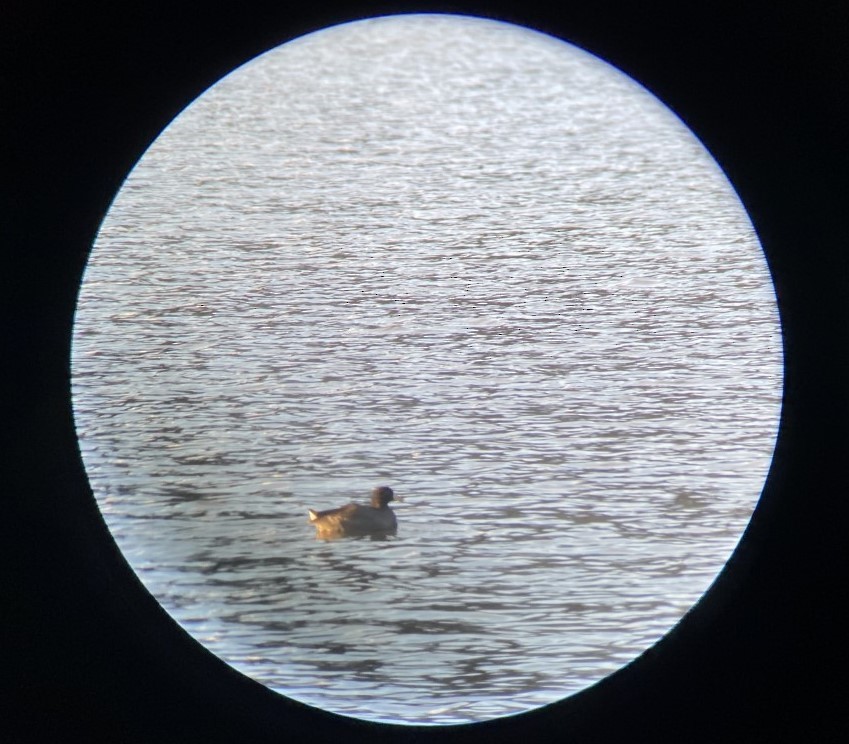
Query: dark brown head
[[381, 496]]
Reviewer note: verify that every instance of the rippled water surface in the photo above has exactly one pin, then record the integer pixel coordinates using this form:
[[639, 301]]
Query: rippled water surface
[[464, 260]]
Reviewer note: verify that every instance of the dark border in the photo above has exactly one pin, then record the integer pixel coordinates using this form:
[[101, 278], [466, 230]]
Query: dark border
[[88, 655]]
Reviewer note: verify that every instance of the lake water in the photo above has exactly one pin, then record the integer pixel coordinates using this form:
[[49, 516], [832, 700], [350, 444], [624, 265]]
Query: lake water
[[464, 260]]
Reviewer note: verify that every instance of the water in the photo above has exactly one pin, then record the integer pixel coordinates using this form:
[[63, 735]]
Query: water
[[464, 260]]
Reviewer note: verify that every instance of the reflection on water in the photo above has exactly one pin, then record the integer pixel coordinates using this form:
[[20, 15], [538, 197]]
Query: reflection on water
[[465, 260]]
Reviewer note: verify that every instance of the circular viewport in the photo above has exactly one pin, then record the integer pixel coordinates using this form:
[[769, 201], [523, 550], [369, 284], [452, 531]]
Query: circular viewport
[[463, 260]]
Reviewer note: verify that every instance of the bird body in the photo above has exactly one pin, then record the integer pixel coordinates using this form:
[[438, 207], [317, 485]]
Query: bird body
[[357, 519]]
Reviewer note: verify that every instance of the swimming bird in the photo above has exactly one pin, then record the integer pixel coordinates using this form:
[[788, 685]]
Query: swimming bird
[[358, 519]]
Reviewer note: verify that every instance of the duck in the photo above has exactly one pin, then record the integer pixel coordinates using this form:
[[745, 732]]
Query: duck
[[358, 519]]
